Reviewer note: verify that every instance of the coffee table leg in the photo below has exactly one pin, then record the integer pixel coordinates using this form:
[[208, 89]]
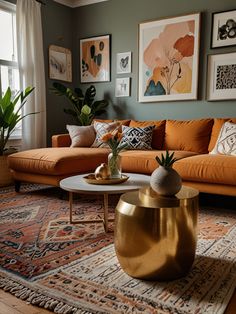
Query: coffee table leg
[[105, 208], [71, 204]]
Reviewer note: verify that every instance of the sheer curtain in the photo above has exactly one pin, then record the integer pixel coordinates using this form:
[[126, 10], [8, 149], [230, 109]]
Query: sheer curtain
[[31, 66]]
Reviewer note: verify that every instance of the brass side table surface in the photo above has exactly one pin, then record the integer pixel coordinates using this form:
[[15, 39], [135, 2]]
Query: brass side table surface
[[156, 236]]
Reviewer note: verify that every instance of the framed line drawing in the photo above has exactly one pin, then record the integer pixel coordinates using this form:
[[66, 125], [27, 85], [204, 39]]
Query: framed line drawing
[[168, 59], [221, 73], [123, 62], [223, 30], [95, 59], [122, 87], [60, 64]]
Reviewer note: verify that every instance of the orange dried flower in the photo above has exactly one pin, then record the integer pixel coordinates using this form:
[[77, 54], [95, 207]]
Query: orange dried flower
[[106, 137]]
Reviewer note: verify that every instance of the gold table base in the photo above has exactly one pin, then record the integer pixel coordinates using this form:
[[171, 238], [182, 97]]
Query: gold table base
[[156, 236]]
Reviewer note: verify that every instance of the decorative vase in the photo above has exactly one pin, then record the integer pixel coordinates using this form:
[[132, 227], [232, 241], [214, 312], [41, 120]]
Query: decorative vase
[[114, 164], [165, 181], [102, 172]]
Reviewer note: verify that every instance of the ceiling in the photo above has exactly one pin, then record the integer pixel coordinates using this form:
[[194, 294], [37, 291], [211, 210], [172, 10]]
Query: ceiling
[[78, 3]]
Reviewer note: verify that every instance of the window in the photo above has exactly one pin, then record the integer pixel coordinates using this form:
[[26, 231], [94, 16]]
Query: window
[[9, 73]]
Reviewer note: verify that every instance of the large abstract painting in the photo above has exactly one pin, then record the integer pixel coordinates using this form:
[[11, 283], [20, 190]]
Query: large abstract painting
[[168, 59], [95, 59]]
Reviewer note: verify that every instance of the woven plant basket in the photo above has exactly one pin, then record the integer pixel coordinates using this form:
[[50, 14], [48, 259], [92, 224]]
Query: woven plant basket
[[5, 174]]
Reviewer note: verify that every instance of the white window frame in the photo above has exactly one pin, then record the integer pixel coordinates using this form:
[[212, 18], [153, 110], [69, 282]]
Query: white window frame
[[15, 138]]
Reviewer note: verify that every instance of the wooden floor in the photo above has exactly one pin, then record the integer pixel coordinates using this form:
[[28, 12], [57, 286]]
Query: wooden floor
[[11, 305]]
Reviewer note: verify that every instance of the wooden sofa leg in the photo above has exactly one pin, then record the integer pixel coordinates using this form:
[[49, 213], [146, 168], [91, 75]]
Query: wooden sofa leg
[[17, 185]]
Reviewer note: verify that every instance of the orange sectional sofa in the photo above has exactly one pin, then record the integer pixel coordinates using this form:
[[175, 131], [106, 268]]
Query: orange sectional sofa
[[192, 140]]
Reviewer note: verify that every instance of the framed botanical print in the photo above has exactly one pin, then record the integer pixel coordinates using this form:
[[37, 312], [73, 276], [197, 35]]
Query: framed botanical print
[[221, 74], [95, 59], [223, 32], [168, 59], [60, 65]]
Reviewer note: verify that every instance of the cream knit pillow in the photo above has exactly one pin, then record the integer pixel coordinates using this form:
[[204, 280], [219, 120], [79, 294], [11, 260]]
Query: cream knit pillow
[[81, 136]]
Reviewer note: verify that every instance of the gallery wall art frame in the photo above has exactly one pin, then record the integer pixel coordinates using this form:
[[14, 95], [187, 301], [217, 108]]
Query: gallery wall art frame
[[123, 62], [122, 87], [223, 29], [95, 59], [221, 73], [60, 63], [169, 58]]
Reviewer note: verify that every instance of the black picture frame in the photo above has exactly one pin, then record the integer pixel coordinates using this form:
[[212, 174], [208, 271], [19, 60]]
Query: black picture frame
[[223, 29]]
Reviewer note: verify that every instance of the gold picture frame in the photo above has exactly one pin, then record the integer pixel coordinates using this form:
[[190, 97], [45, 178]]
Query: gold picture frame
[[60, 63]]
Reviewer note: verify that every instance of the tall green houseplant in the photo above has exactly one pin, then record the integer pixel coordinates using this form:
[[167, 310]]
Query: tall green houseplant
[[10, 114], [84, 108]]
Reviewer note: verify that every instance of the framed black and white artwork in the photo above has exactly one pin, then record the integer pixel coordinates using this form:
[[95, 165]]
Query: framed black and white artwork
[[123, 62]]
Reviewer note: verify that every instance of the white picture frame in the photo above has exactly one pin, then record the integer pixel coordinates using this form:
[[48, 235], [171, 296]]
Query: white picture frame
[[122, 87], [123, 62], [221, 83], [167, 71]]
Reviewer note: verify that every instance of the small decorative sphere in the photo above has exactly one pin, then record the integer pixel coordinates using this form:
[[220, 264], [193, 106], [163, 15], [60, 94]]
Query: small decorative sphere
[[102, 172]]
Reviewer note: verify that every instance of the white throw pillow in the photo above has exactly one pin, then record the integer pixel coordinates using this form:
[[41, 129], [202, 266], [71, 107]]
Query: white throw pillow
[[137, 137], [102, 128], [81, 136], [226, 142]]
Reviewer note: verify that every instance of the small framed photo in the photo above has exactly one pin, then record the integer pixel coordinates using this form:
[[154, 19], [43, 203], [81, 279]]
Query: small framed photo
[[221, 73], [95, 59], [223, 31], [123, 62], [60, 64], [122, 87]]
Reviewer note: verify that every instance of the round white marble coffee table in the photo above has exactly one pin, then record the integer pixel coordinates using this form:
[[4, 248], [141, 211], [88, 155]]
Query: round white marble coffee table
[[77, 184]]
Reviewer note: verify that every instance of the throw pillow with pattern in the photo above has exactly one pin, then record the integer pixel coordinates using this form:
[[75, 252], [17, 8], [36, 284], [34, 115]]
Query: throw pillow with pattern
[[137, 138], [102, 128], [226, 142]]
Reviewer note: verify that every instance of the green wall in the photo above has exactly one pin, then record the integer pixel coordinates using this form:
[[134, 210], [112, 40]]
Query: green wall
[[120, 18]]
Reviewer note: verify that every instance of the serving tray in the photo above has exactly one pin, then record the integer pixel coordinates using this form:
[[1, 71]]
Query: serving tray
[[90, 178]]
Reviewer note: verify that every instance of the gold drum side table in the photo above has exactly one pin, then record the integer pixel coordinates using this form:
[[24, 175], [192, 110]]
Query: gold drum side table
[[156, 236]]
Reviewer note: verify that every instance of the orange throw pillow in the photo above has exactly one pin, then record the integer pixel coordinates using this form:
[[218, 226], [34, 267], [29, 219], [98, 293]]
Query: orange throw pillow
[[189, 135]]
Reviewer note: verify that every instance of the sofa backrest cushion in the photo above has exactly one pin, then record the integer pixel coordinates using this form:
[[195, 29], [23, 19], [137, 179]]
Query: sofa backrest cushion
[[218, 122], [157, 134], [188, 135]]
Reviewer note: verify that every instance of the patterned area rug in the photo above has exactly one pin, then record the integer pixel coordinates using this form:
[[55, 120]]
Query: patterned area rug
[[73, 268]]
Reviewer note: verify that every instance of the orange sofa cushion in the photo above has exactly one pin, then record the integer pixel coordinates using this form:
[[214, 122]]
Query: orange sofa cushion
[[207, 168], [189, 135], [157, 134], [218, 122], [59, 160]]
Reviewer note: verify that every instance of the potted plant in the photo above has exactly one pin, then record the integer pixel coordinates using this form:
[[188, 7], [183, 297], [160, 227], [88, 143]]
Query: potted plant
[[165, 180], [10, 115], [84, 108]]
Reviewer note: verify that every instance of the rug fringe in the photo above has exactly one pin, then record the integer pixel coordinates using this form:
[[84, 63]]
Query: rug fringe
[[37, 298]]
